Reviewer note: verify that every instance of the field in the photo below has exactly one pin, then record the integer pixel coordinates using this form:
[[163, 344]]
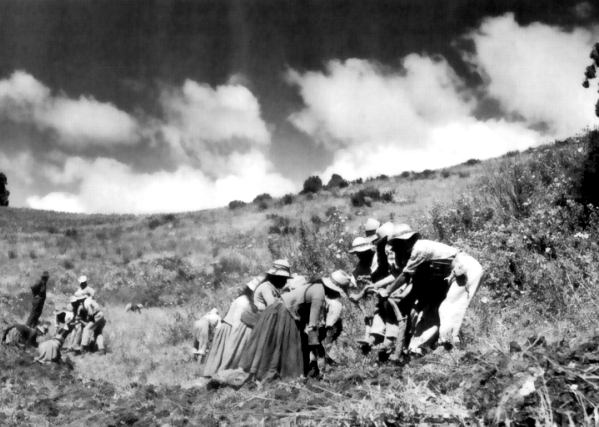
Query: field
[[530, 342]]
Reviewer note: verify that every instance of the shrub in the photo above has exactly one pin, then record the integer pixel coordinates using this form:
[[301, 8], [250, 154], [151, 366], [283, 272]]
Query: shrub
[[405, 174], [463, 174], [263, 205], [12, 254], [336, 181], [366, 196], [312, 185], [471, 162], [236, 204], [512, 153], [357, 181], [425, 174], [157, 221], [262, 198], [288, 199], [445, 174], [67, 264], [71, 233], [32, 254], [281, 225]]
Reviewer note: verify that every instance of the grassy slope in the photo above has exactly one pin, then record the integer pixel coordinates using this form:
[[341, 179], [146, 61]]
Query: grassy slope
[[191, 262]]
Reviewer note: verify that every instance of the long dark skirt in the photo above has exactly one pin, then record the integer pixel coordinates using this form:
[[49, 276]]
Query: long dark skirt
[[277, 347]]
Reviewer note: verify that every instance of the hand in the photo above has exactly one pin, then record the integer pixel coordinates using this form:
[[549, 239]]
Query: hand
[[383, 293]]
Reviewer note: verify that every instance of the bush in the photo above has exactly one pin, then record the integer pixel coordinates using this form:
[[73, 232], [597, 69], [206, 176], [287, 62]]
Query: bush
[[445, 174], [336, 181], [12, 254], [471, 162], [236, 204], [288, 199], [32, 254], [366, 196], [281, 225], [263, 205], [67, 264], [312, 185], [463, 174], [262, 198], [405, 174], [425, 174], [71, 233]]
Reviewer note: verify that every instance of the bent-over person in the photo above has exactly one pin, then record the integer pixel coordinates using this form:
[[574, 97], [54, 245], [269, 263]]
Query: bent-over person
[[22, 336], [203, 330], [94, 328], [286, 339]]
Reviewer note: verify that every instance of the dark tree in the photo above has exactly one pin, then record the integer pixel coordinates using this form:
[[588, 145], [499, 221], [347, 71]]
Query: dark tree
[[312, 185], [4, 193], [337, 181], [591, 72]]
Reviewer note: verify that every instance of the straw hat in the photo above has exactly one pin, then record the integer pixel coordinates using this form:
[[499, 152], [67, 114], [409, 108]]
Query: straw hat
[[82, 279], [383, 231], [253, 284], [339, 281], [360, 244], [371, 225], [402, 232], [280, 268]]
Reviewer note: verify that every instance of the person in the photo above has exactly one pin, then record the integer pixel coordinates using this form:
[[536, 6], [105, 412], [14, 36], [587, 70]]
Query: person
[[364, 252], [267, 291], [50, 351], [84, 288], [22, 336], [232, 335], [440, 279], [203, 329], [75, 324], [39, 298], [94, 328], [286, 342], [371, 226]]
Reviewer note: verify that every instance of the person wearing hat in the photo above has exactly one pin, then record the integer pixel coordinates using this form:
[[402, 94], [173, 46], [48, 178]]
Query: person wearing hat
[[267, 291], [286, 342], [75, 320], [203, 329], [364, 251], [440, 279], [22, 336], [84, 288], [94, 327], [39, 298], [50, 351], [371, 226], [232, 335]]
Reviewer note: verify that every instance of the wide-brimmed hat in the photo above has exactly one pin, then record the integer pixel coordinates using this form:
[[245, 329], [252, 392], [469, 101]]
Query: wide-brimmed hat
[[360, 244], [371, 225], [82, 279], [339, 281], [280, 268], [383, 231], [253, 284], [402, 232]]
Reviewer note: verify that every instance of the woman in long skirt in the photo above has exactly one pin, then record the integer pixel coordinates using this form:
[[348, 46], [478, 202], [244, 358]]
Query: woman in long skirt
[[220, 356], [287, 334]]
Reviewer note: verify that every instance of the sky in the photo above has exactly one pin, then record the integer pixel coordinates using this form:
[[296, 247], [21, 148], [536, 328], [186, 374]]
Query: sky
[[128, 106]]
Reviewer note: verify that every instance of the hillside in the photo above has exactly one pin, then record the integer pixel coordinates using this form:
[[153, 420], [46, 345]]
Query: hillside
[[532, 323]]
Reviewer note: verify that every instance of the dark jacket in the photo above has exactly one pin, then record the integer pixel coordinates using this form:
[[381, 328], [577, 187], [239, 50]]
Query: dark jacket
[[39, 289], [28, 336]]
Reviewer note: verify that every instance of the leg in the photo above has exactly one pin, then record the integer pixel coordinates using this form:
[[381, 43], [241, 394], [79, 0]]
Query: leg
[[37, 306], [462, 289], [99, 335]]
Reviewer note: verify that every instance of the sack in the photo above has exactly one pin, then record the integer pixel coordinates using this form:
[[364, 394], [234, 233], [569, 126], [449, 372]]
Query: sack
[[249, 317]]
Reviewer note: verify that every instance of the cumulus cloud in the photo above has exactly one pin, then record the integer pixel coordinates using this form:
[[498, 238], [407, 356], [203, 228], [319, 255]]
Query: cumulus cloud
[[107, 186], [77, 122], [210, 124], [378, 120], [536, 71]]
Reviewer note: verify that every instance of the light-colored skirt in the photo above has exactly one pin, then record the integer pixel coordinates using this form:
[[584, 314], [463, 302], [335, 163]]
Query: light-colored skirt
[[276, 348], [49, 351], [236, 345], [214, 361]]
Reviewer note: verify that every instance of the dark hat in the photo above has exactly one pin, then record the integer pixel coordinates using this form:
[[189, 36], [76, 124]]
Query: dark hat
[[45, 275]]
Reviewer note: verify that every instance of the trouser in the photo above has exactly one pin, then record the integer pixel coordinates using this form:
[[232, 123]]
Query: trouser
[[93, 331], [37, 305], [444, 319]]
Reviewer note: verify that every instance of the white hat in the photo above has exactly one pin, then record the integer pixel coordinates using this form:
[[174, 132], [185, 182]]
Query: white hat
[[280, 268], [402, 232], [82, 279], [339, 281], [253, 284], [360, 244], [372, 224], [383, 231]]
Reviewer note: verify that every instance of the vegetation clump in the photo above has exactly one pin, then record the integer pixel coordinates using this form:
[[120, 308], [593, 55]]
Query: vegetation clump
[[312, 185], [236, 204]]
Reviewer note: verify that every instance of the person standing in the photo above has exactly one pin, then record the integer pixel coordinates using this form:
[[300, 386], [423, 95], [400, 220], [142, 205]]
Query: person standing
[[84, 288], [94, 327], [39, 298]]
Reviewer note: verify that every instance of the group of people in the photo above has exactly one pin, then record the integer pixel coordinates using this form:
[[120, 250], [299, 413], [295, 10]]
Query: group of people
[[413, 294], [79, 325]]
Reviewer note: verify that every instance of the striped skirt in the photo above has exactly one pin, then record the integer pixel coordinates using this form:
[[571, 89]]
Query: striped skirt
[[276, 348], [214, 361]]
